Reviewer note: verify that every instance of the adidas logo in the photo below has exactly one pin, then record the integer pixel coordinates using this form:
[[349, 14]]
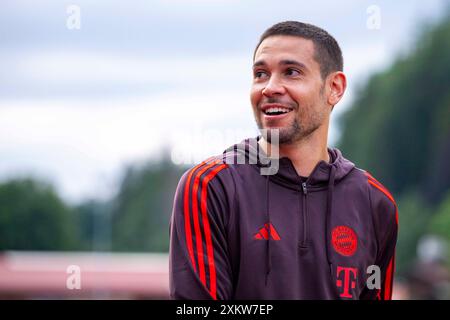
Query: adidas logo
[[263, 233]]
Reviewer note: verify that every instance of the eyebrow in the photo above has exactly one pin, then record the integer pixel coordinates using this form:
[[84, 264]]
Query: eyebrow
[[281, 63]]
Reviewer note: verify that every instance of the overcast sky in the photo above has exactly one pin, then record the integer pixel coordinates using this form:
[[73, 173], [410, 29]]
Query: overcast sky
[[139, 77]]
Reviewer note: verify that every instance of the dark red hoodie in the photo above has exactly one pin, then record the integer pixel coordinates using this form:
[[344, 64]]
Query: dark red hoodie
[[238, 234]]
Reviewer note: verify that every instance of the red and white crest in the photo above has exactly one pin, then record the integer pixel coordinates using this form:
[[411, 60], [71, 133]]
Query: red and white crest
[[344, 240]]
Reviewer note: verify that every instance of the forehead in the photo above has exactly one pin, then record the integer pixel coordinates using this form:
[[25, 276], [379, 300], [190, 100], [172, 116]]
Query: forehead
[[286, 47]]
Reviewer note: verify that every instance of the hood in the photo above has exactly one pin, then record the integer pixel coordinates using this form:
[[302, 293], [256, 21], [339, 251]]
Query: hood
[[324, 176], [248, 151]]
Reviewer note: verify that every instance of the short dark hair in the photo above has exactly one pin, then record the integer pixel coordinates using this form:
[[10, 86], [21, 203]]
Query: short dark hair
[[327, 51]]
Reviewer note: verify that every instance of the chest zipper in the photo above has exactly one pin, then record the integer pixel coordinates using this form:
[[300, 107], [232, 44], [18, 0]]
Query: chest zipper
[[304, 242]]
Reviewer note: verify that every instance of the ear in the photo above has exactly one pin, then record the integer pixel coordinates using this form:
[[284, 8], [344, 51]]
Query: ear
[[337, 83]]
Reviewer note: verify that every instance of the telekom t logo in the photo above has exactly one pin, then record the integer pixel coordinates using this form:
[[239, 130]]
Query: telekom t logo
[[348, 282]]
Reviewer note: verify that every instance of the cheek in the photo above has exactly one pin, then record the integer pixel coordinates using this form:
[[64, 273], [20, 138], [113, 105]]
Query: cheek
[[255, 95], [299, 90], [302, 94]]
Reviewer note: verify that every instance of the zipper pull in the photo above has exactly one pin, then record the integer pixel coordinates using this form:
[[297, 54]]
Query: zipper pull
[[305, 191]]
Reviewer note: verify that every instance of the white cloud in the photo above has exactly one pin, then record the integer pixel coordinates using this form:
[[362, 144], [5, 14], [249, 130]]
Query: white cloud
[[75, 143], [88, 67]]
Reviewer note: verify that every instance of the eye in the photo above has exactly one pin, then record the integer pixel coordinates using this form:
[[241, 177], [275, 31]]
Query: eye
[[292, 72], [260, 74]]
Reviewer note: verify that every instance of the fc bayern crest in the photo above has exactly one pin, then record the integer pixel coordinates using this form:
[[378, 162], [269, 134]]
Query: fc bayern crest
[[344, 240]]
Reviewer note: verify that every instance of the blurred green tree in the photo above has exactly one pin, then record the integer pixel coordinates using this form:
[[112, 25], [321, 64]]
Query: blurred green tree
[[414, 216], [398, 127], [93, 217], [440, 223], [141, 211], [33, 217]]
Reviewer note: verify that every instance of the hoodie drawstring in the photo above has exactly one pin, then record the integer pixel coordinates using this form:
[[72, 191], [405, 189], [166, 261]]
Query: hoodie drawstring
[[269, 257], [328, 216]]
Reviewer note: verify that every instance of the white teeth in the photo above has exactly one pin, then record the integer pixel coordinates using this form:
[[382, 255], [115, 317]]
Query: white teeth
[[277, 109]]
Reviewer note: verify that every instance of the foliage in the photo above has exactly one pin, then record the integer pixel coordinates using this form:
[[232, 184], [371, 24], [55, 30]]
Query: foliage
[[440, 224], [398, 127], [33, 217], [142, 209], [414, 216]]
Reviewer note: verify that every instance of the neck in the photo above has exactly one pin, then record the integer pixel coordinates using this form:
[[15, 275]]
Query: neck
[[304, 154]]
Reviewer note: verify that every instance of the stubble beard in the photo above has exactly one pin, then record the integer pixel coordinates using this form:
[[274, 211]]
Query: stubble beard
[[302, 126]]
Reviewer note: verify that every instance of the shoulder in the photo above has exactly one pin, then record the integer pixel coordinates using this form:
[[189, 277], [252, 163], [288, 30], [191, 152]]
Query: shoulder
[[381, 196], [212, 173], [207, 188], [367, 181], [207, 169], [383, 205], [379, 188]]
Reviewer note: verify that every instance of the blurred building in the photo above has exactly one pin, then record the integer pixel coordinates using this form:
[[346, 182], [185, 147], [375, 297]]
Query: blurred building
[[429, 276], [66, 275]]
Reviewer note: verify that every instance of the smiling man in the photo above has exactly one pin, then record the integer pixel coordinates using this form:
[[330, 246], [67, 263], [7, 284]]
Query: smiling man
[[317, 227]]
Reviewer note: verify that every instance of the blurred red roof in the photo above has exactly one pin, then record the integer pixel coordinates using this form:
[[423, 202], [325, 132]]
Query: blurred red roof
[[31, 275]]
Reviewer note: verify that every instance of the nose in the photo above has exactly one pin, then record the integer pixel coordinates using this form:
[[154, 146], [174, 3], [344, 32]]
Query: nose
[[273, 87]]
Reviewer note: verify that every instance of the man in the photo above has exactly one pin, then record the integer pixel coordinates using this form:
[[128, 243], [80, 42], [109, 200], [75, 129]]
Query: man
[[318, 228]]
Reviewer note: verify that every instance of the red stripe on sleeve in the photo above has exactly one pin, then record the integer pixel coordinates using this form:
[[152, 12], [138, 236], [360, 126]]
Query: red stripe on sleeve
[[387, 195], [198, 235], [209, 245], [187, 220], [389, 279], [378, 184], [382, 188], [387, 290]]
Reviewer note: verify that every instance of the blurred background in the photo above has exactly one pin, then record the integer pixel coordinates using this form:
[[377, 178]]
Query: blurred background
[[103, 106]]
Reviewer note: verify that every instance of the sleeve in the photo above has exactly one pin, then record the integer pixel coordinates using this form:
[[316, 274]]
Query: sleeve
[[385, 214], [199, 266]]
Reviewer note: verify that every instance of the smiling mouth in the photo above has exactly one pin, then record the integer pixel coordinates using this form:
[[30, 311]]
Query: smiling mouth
[[276, 111]]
